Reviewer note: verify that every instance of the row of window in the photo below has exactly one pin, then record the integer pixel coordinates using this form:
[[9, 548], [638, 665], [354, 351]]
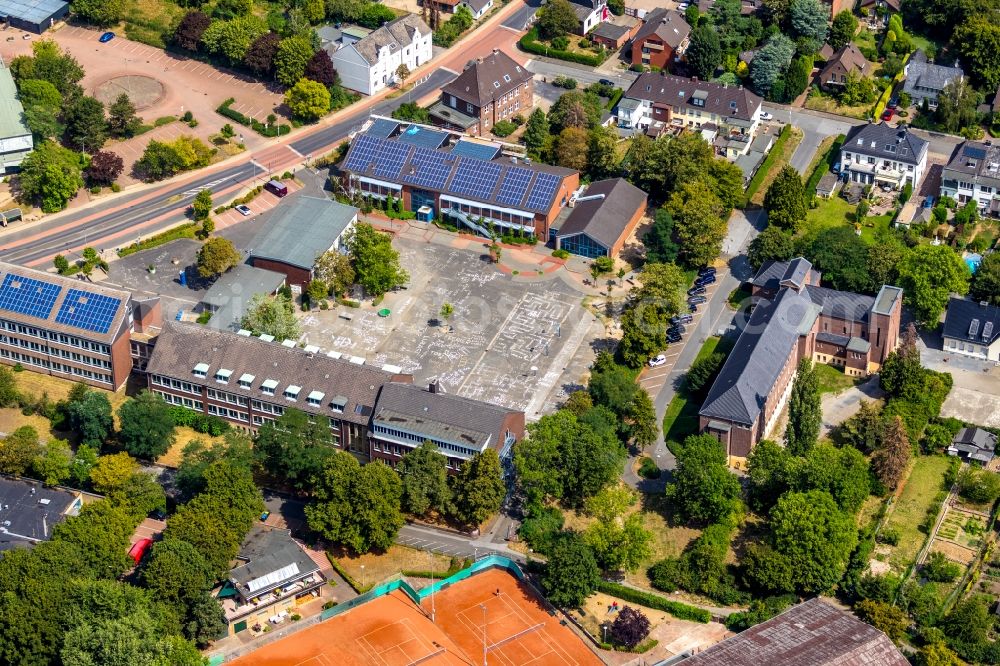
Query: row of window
[[61, 338], [83, 373], [176, 384], [379, 429], [223, 396], [180, 401], [227, 413], [968, 348], [268, 408], [497, 216], [397, 450], [39, 348], [985, 189]]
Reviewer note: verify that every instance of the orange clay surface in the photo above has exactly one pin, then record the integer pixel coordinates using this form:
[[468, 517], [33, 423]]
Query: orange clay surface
[[392, 631]]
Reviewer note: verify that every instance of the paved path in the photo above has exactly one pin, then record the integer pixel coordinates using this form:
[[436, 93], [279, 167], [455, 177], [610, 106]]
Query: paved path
[[838, 407]]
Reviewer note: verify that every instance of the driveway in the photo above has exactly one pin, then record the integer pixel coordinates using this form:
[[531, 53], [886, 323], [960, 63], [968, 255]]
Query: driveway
[[975, 396], [838, 407]]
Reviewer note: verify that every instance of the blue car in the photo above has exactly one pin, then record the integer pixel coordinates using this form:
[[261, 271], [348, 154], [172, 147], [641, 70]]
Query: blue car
[[106, 37]]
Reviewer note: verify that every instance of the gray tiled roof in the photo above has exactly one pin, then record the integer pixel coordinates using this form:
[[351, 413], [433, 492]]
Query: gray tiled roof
[[841, 304], [29, 511], [923, 76], [265, 552], [982, 439], [231, 293], [733, 102], [180, 347], [302, 230], [441, 416], [605, 219], [748, 375], [974, 159], [669, 26], [833, 338], [395, 34], [960, 315], [882, 141], [772, 273], [796, 273], [812, 633], [488, 78]]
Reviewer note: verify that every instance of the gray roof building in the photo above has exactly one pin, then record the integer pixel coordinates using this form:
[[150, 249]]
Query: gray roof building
[[29, 511], [974, 444], [15, 137], [732, 103], [668, 25], [926, 80], [976, 323], [487, 78], [270, 559], [604, 213], [228, 297], [302, 230], [883, 141], [773, 273], [813, 633], [35, 16], [396, 35]]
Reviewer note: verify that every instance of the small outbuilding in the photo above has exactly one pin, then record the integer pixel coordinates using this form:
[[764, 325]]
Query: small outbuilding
[[602, 219], [974, 444], [35, 16], [229, 296]]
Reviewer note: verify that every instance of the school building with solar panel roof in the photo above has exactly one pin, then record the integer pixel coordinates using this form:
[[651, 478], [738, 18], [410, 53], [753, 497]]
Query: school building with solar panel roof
[[470, 182], [66, 327]]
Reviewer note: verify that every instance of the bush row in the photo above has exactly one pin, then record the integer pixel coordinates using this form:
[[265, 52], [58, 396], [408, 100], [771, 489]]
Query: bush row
[[246, 121], [203, 423], [649, 600], [531, 44], [826, 164], [182, 231]]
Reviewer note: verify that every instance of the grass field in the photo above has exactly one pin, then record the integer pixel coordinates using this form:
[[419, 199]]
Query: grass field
[[907, 513], [681, 417], [780, 153], [832, 380], [375, 567], [35, 385], [183, 435], [836, 212]]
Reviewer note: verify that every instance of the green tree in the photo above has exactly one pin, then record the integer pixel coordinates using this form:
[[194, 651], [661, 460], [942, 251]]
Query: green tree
[[536, 133], [53, 465], [425, 480], [815, 537], [376, 262], [845, 24], [843, 257], [986, 281], [969, 620], [809, 20], [864, 431], [769, 470], [146, 425], [216, 256], [841, 472], [101, 532], [478, 489], [621, 544], [18, 450], [772, 60], [136, 638], [159, 160], [201, 207], [928, 275], [357, 506], [271, 315], [294, 447], [641, 420], [86, 126], [50, 176], [602, 153], [772, 244], [199, 524], [232, 39], [197, 457], [335, 270], [702, 372], [978, 43], [570, 149], [704, 52], [308, 100], [571, 574], [957, 106], [858, 90], [703, 488], [937, 654], [659, 240], [112, 472], [890, 460], [979, 486], [885, 617], [49, 63], [699, 224], [643, 334], [797, 77], [575, 109], [82, 464], [122, 119], [291, 59], [176, 573], [556, 19], [785, 201], [805, 414]]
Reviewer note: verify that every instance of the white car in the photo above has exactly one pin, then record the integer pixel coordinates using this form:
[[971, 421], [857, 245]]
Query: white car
[[243, 210], [764, 115], [657, 360]]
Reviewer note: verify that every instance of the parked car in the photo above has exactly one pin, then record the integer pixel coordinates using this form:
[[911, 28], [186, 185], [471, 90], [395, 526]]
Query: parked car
[[692, 307], [888, 114], [681, 319], [893, 102], [657, 360], [836, 167], [673, 338], [706, 270], [696, 300], [607, 82], [696, 291], [678, 329], [704, 279], [764, 115], [243, 210], [106, 37], [276, 188], [929, 201]]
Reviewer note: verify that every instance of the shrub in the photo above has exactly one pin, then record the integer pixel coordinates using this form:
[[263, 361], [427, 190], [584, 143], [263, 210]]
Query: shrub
[[889, 535], [938, 569], [979, 486], [656, 602], [560, 254], [269, 130], [648, 469], [530, 43], [540, 528], [503, 128]]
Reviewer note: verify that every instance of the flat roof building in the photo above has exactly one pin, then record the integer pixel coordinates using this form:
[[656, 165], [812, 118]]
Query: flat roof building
[[228, 297], [29, 510], [65, 327], [298, 234], [35, 16], [15, 137]]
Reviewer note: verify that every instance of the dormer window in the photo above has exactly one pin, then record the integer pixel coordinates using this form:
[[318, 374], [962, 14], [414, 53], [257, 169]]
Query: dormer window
[[267, 388], [506, 77], [222, 375], [292, 392], [246, 380], [496, 84], [200, 370], [338, 404], [315, 398]]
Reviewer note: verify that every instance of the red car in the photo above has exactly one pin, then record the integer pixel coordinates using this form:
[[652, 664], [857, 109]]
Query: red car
[[139, 549], [888, 114]]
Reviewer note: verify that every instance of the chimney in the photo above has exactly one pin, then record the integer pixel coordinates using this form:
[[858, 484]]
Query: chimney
[[432, 387]]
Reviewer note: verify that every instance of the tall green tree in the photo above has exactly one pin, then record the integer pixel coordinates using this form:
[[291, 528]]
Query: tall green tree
[[536, 133], [703, 488], [571, 574], [176, 573], [841, 472], [147, 427], [865, 430], [805, 414], [478, 490], [53, 465], [769, 470], [425, 480], [772, 244], [291, 59], [602, 153], [308, 100], [785, 201], [217, 256], [978, 43], [232, 39], [771, 61], [621, 544], [294, 447], [271, 315], [928, 275], [698, 222], [842, 30], [809, 20], [50, 176], [86, 126], [704, 52], [556, 19], [18, 450], [122, 119], [986, 281], [376, 262], [659, 240], [49, 63]]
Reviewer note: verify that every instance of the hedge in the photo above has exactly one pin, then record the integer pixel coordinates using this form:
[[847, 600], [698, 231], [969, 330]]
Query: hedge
[[246, 121], [883, 99], [183, 231], [765, 168], [825, 165], [531, 44], [649, 600]]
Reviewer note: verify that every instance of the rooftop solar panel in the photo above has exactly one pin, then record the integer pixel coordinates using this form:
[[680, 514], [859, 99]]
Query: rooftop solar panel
[[974, 153], [382, 128], [390, 158], [515, 184], [28, 296], [87, 310], [482, 151], [428, 168], [362, 152], [541, 194], [425, 138], [475, 178]]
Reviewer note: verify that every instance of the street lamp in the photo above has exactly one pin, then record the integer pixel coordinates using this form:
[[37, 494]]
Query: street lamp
[[364, 580]]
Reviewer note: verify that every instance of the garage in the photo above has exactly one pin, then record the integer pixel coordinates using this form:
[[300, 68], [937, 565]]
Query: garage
[[35, 16]]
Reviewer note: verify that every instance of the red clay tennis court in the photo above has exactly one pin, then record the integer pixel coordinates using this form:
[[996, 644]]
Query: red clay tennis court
[[393, 631]]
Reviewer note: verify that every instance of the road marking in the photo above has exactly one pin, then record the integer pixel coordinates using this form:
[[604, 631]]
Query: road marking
[[294, 151]]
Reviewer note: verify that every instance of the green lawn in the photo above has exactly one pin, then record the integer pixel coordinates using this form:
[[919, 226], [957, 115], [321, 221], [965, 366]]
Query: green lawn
[[907, 513], [738, 296], [836, 212], [831, 379], [865, 39], [681, 418]]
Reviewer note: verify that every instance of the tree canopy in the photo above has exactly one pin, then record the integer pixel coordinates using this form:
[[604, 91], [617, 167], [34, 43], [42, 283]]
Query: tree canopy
[[928, 275], [376, 262], [805, 415], [703, 488], [272, 315], [785, 200], [217, 256]]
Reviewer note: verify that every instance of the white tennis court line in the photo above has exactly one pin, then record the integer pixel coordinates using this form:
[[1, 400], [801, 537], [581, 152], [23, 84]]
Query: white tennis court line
[[425, 645]]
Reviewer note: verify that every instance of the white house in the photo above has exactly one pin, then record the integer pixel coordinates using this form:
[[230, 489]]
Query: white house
[[972, 329], [370, 64], [15, 137], [877, 154], [590, 13], [974, 174]]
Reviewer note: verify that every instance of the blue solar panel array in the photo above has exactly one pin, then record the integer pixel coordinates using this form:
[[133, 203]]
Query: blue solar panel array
[[428, 168], [515, 184], [28, 296], [481, 151], [541, 194], [392, 157], [382, 128], [425, 138], [87, 310], [364, 151], [475, 178]]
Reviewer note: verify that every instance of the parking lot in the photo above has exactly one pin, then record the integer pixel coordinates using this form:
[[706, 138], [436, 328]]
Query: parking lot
[[513, 342]]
